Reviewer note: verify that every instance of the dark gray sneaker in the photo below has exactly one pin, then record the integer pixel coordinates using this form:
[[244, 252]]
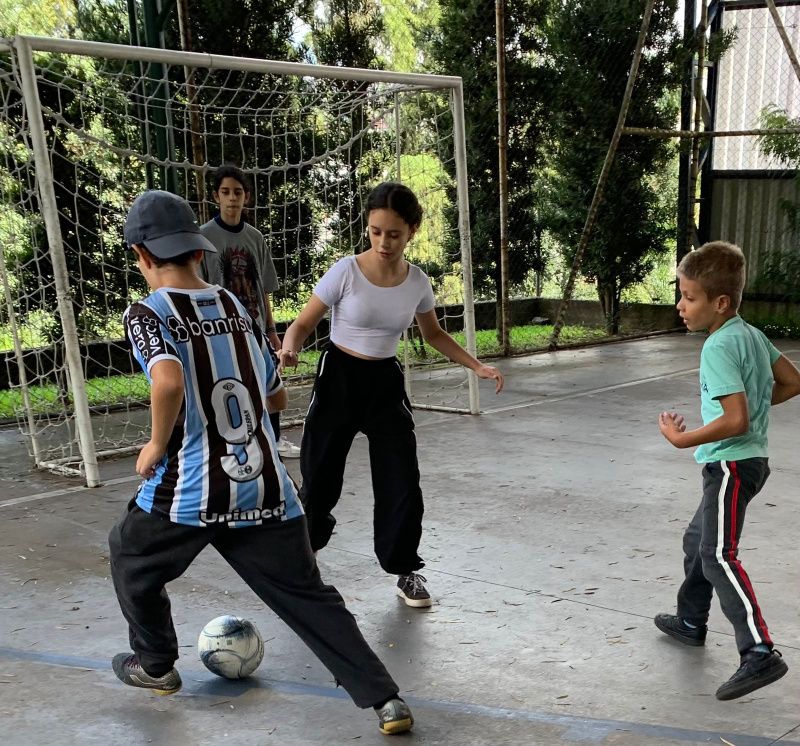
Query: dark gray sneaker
[[412, 590], [129, 671], [755, 671], [394, 717], [674, 627]]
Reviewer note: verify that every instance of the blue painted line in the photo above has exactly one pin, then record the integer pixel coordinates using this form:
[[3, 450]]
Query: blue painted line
[[576, 729]]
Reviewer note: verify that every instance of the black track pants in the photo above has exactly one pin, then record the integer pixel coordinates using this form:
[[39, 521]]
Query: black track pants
[[352, 395], [274, 559], [711, 551]]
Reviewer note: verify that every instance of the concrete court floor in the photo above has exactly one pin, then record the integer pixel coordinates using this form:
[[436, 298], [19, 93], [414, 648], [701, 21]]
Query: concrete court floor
[[552, 536]]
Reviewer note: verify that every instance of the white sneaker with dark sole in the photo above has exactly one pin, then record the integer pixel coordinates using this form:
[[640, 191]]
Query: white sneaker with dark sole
[[287, 449]]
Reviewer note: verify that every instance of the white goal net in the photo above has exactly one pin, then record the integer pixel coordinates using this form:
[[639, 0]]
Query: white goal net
[[85, 127]]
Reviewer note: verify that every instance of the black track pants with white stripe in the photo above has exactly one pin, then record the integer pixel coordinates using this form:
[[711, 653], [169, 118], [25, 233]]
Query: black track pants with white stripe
[[711, 551], [352, 395], [274, 559]]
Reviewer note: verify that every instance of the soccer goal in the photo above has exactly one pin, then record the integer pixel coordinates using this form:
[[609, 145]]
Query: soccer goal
[[85, 127]]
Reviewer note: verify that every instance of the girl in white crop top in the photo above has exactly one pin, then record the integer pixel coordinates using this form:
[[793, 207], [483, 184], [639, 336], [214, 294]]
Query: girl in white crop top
[[372, 298]]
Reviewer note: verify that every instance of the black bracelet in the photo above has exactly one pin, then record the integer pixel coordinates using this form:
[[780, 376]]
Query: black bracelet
[[270, 329]]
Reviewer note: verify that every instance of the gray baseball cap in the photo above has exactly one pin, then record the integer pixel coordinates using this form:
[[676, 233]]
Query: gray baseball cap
[[165, 224]]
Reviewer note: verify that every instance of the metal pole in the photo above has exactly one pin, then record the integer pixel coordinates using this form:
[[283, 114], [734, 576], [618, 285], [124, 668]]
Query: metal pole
[[227, 62], [398, 151], [787, 44], [694, 170], [502, 175], [685, 151], [198, 149], [603, 178], [23, 373], [133, 33], [707, 134], [158, 94], [49, 208], [707, 145], [462, 188]]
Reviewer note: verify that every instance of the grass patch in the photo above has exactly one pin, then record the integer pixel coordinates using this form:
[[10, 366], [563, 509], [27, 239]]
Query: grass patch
[[134, 389], [778, 328]]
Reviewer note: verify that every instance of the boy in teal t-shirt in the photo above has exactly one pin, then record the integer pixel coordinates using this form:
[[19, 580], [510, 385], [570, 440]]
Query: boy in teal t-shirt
[[742, 375]]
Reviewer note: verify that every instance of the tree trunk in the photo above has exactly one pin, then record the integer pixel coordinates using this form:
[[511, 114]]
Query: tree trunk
[[609, 297]]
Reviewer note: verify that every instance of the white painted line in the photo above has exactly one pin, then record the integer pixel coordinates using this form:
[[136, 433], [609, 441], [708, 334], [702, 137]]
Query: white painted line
[[602, 389], [65, 491], [590, 392], [539, 402]]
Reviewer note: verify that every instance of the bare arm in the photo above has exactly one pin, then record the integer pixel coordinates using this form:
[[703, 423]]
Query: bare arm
[[278, 401], [300, 330], [166, 399], [269, 324], [440, 340], [735, 420], [787, 380]]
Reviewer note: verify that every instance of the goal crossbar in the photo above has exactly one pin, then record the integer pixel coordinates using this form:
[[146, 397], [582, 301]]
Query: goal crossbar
[[226, 62]]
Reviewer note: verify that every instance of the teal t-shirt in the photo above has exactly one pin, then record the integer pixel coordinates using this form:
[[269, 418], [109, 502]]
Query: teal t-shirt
[[737, 358]]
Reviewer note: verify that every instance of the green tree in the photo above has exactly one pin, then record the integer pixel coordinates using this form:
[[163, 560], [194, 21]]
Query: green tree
[[344, 34], [464, 44], [779, 270], [407, 25], [590, 48]]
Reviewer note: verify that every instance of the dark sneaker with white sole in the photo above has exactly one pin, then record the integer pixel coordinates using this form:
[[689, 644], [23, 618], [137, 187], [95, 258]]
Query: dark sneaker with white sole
[[394, 717], [674, 626], [755, 671], [129, 671], [411, 588]]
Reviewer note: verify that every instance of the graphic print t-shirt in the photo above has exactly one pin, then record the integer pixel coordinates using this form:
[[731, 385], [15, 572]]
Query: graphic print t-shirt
[[221, 465], [242, 264]]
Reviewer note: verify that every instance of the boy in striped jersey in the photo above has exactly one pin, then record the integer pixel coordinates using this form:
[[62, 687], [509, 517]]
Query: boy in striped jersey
[[741, 375], [211, 472]]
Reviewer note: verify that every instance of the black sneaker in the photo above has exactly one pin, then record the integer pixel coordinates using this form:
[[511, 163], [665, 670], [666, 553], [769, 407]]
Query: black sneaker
[[411, 589], [756, 670], [129, 671], [674, 627], [394, 717]]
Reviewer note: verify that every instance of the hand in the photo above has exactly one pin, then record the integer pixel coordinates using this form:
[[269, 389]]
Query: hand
[[148, 459], [671, 425], [287, 359], [274, 340], [490, 372]]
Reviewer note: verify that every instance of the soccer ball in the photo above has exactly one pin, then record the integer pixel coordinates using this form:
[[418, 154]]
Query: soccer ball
[[230, 647]]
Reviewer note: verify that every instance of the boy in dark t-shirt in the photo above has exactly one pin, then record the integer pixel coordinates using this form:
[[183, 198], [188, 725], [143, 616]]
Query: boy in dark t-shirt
[[243, 264], [212, 475]]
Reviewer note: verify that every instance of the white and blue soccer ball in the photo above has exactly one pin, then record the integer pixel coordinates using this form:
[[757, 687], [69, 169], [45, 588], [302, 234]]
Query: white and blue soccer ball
[[230, 647]]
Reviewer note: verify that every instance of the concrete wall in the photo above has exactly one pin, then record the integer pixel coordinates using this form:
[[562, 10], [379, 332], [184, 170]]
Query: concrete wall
[[112, 357]]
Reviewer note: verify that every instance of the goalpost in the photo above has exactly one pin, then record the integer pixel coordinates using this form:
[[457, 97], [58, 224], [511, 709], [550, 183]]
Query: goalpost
[[86, 126]]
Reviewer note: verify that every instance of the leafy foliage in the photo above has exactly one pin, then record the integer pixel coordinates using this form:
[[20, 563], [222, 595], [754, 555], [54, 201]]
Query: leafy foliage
[[464, 44], [591, 45]]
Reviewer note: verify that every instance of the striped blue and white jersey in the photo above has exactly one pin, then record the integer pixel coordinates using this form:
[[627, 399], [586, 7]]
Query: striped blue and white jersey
[[221, 464]]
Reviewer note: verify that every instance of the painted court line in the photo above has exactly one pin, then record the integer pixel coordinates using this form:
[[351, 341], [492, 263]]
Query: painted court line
[[590, 392], [576, 729], [64, 491], [499, 410], [603, 389]]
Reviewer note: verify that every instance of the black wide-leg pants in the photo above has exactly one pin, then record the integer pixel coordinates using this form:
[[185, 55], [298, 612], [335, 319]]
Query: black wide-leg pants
[[353, 395], [274, 559], [711, 551]]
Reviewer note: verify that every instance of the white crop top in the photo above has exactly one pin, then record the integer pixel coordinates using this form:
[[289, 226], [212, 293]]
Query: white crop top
[[369, 319]]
